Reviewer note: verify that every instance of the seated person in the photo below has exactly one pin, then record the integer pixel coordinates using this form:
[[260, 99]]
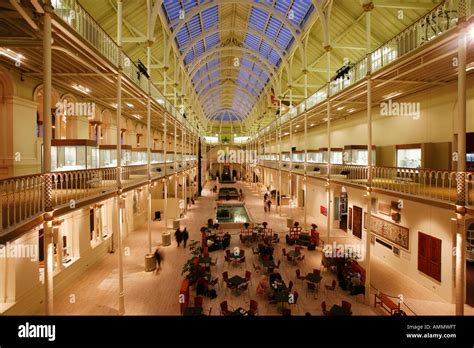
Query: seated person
[[274, 276], [262, 287]]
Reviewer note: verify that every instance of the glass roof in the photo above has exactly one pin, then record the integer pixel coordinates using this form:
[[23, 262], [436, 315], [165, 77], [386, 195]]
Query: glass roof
[[267, 38]]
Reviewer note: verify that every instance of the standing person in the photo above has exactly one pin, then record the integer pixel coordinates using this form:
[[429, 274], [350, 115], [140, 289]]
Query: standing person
[[185, 236], [265, 205], [179, 236], [158, 258], [269, 203]]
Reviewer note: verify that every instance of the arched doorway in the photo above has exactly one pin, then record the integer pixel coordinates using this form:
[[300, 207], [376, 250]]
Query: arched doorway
[[341, 204]]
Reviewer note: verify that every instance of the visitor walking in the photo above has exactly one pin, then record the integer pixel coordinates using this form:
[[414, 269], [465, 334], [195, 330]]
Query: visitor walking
[[185, 236], [158, 258], [269, 204], [265, 205], [179, 236]]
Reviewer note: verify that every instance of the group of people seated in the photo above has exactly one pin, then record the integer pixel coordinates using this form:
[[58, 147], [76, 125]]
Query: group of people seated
[[265, 250], [215, 239]]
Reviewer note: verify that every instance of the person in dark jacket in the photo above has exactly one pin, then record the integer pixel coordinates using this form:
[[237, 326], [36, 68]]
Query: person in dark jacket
[[179, 236], [158, 258], [185, 236]]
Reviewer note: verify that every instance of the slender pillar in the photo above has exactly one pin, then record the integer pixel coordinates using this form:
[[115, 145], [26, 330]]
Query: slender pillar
[[368, 6], [461, 165], [119, 199], [47, 135], [148, 123], [328, 130], [165, 181]]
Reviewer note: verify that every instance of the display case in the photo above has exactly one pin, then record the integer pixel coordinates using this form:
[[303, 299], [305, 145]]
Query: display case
[[358, 155], [73, 154], [108, 155], [409, 156], [285, 156], [298, 156], [169, 156], [315, 156], [156, 156], [138, 156], [336, 155]]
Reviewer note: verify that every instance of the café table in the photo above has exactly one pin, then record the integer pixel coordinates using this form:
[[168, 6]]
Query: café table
[[192, 311], [313, 278], [278, 286], [337, 310], [294, 253], [237, 280], [268, 263]]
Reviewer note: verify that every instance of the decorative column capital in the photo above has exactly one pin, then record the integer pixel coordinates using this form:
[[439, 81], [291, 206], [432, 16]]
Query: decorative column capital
[[368, 6]]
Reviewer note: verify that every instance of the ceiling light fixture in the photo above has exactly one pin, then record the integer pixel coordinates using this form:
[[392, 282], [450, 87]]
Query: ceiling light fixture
[[81, 88], [137, 116], [130, 105], [17, 57], [340, 108]]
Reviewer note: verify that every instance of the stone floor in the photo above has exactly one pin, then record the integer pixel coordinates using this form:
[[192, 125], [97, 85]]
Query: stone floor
[[157, 293]]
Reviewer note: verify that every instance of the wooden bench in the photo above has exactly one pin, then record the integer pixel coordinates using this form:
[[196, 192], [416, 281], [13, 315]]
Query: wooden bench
[[386, 303]]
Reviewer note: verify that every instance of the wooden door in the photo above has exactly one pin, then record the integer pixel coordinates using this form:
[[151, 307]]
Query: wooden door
[[357, 222], [429, 255]]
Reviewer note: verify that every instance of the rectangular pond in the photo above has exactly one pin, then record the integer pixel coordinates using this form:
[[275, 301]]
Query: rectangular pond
[[228, 193], [232, 214]]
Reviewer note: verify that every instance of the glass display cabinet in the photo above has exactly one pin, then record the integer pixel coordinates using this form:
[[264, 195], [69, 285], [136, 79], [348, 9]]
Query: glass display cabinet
[[285, 156], [138, 156], [336, 155], [156, 156], [298, 156], [108, 155], [169, 156], [315, 156], [358, 155], [73, 154], [409, 156]]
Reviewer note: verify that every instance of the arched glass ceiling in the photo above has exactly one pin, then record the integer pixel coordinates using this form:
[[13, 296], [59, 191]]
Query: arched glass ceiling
[[267, 38]]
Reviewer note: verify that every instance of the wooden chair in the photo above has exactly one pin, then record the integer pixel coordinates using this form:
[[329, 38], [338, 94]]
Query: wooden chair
[[278, 264], [311, 287], [248, 276], [289, 259], [324, 308], [300, 258], [242, 260], [253, 310], [225, 277], [290, 286], [299, 276], [325, 264], [316, 271], [284, 251], [331, 287], [225, 308], [346, 305]]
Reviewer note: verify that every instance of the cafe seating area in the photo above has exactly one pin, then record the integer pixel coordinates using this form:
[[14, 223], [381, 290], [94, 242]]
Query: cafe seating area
[[254, 272]]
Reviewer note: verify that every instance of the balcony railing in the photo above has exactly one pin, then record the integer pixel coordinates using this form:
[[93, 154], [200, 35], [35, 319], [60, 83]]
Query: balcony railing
[[73, 14], [426, 183], [22, 198], [430, 26]]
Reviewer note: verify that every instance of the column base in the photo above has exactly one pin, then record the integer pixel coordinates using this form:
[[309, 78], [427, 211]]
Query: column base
[[150, 263]]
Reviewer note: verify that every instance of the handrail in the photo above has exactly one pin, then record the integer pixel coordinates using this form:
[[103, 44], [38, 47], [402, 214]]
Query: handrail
[[406, 41], [427, 183], [22, 197]]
